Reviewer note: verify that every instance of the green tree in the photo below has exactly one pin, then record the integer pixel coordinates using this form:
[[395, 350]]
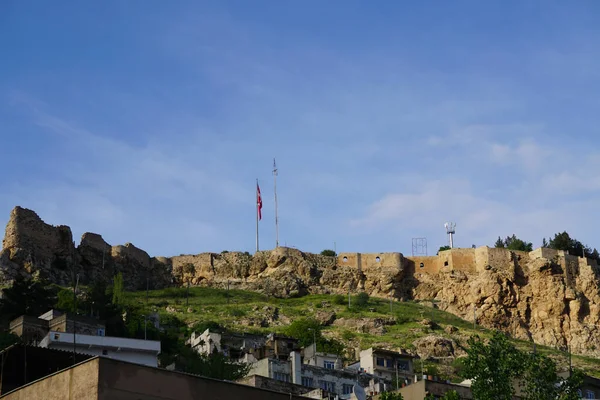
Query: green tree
[[443, 248], [451, 395], [542, 382], [307, 330], [328, 253], [514, 243], [391, 396], [499, 243], [117, 293], [563, 241], [339, 299], [361, 299], [492, 367], [7, 339], [26, 297], [215, 365]]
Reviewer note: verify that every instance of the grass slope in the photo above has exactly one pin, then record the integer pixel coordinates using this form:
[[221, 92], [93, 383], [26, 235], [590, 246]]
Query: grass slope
[[232, 308]]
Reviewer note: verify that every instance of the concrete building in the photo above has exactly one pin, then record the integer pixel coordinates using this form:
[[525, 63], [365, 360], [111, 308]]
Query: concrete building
[[105, 379], [33, 329], [319, 359], [340, 382], [419, 390], [242, 346], [283, 387], [390, 365], [54, 330], [136, 351]]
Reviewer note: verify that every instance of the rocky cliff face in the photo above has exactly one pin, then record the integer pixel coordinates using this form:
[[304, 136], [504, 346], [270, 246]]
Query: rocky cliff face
[[34, 248], [545, 296]]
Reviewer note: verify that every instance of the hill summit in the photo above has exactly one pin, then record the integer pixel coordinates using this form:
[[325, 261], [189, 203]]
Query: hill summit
[[545, 295]]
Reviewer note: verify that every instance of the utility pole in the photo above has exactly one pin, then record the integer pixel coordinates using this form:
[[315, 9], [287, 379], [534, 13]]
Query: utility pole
[[258, 211], [474, 317], [349, 298], [187, 294], [147, 284], [276, 215], [74, 317]]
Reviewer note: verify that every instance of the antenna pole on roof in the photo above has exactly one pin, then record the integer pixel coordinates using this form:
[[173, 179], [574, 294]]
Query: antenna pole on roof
[[74, 317]]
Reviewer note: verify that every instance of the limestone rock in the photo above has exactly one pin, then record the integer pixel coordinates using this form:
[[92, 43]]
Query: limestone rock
[[325, 318], [434, 347], [545, 295]]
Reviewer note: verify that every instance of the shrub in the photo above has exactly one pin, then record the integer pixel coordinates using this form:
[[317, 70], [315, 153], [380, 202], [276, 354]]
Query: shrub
[[328, 253], [362, 299], [348, 335], [204, 325], [339, 299], [236, 312]]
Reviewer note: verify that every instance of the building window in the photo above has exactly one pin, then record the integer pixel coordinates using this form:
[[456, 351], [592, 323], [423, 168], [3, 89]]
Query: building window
[[380, 361], [377, 259], [421, 265], [347, 389], [388, 363], [345, 259], [329, 364], [280, 376], [307, 381], [445, 263], [328, 386], [589, 394], [403, 365], [100, 331]]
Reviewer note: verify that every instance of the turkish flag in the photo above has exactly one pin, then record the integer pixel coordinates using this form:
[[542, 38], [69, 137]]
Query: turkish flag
[[258, 202]]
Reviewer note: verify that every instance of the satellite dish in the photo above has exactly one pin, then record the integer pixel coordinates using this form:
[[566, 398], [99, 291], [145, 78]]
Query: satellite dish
[[359, 392]]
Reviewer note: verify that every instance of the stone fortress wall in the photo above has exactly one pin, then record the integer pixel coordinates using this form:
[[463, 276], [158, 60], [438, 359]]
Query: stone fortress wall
[[33, 244], [470, 260]]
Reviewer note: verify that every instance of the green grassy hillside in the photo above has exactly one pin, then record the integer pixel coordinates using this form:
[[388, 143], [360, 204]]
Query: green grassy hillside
[[244, 311]]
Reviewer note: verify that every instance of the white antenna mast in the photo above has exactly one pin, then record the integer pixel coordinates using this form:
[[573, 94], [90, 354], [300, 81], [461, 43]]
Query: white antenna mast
[[450, 231], [276, 216]]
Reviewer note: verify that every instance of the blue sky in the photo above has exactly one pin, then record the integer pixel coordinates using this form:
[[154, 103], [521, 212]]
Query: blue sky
[[149, 121]]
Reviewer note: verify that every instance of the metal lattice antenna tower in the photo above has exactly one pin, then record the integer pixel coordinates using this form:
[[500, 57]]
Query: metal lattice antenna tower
[[419, 247], [276, 215], [450, 231]]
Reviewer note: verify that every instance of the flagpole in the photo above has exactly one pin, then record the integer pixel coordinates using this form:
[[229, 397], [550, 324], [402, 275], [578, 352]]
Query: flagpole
[[257, 215], [276, 217]]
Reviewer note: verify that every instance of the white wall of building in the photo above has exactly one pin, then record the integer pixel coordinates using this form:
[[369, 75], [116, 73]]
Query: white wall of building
[[136, 351]]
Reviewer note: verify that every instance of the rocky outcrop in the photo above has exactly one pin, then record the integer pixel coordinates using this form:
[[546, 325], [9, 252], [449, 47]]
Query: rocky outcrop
[[436, 347], [33, 248], [546, 296]]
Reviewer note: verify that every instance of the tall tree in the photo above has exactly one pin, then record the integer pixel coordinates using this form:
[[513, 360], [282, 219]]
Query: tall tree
[[498, 366], [513, 243], [492, 367], [26, 297], [563, 241], [117, 298]]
